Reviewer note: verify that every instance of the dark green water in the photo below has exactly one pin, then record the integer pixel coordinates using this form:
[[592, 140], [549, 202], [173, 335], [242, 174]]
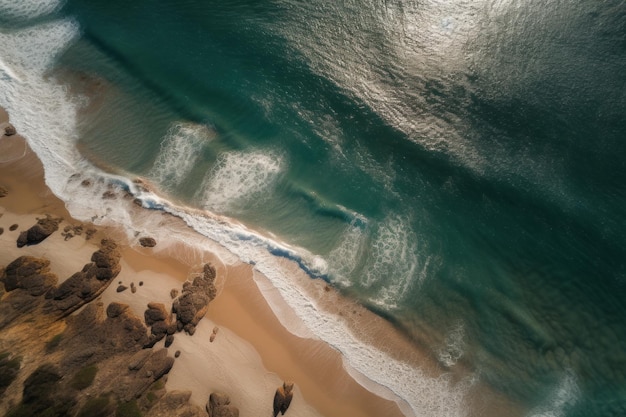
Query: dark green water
[[458, 166]]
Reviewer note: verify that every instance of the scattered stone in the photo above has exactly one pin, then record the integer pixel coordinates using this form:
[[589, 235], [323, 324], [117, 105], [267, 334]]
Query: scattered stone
[[3, 192], [9, 130], [138, 202], [147, 242], [133, 289], [174, 293], [121, 288], [219, 406], [13, 227], [89, 233], [1, 230], [214, 334], [86, 183], [177, 354], [39, 232], [282, 398], [141, 283], [109, 195]]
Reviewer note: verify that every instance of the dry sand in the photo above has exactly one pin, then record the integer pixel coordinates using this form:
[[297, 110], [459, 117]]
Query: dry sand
[[252, 353]]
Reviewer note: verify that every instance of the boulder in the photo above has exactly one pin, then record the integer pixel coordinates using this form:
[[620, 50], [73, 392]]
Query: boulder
[[30, 274], [155, 312], [282, 398], [219, 406], [147, 242], [3, 192], [116, 309], [9, 130], [139, 359], [39, 232], [175, 399]]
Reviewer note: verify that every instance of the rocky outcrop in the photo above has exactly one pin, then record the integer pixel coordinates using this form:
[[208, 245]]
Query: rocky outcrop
[[191, 306], [147, 242], [86, 285], [30, 274], [145, 369], [9, 130], [39, 232], [160, 323], [282, 398], [219, 406]]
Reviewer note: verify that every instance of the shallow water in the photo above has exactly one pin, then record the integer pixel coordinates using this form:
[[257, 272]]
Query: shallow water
[[454, 166]]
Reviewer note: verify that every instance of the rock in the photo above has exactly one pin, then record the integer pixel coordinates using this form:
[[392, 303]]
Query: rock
[[109, 195], [282, 398], [174, 293], [121, 288], [1, 230], [175, 399], [147, 242], [86, 183], [177, 354], [133, 289], [214, 334], [30, 274], [169, 339], [9, 130], [193, 304], [13, 227], [86, 285], [139, 359], [155, 312], [3, 192], [40, 231], [116, 309], [219, 406]]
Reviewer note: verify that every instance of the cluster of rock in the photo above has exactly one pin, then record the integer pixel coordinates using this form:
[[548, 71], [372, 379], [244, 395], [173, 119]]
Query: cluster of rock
[[191, 306], [84, 286], [161, 324], [40, 231]]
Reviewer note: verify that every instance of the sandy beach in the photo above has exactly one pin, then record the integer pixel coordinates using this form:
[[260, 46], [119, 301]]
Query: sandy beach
[[252, 354]]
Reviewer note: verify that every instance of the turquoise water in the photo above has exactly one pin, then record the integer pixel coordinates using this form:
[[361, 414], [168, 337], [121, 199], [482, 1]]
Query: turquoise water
[[457, 167]]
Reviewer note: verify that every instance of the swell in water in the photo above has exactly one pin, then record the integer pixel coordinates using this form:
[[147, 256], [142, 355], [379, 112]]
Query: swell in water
[[45, 112]]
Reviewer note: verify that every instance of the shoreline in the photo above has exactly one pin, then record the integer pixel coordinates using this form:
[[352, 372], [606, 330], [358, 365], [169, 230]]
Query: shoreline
[[254, 328]]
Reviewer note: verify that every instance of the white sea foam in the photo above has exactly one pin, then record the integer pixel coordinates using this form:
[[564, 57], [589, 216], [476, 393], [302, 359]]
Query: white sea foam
[[180, 149], [240, 177], [344, 258], [12, 9], [454, 343], [394, 263], [46, 115], [564, 396]]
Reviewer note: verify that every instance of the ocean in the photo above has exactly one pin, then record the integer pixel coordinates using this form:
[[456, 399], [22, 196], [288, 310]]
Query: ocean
[[457, 167]]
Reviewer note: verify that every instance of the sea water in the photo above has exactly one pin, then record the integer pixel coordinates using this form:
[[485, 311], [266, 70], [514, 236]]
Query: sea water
[[454, 166]]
